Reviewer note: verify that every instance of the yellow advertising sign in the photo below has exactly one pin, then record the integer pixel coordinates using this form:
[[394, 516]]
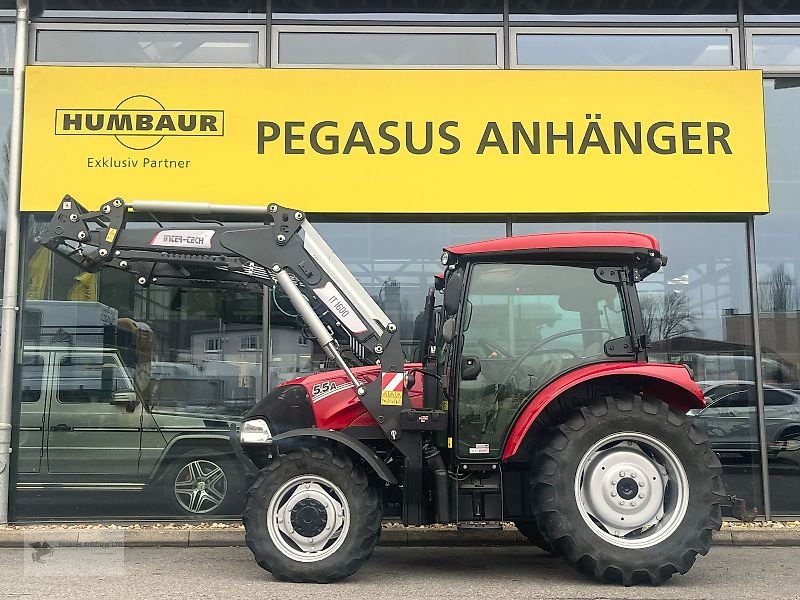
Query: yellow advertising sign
[[398, 141]]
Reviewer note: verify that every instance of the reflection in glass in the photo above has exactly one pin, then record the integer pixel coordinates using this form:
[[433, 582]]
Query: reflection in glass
[[677, 11], [771, 11], [624, 50], [776, 50], [169, 9], [147, 47], [697, 312], [7, 41], [778, 258], [386, 49], [395, 262], [134, 391], [389, 10]]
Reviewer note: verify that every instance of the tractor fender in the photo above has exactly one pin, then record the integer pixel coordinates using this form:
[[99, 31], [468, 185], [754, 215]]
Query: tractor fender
[[350, 442], [671, 383]]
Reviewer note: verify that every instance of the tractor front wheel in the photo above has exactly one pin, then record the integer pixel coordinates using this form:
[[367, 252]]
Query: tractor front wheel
[[628, 491], [312, 516]]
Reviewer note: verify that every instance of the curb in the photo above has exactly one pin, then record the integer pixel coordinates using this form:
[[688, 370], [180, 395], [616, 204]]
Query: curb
[[390, 537]]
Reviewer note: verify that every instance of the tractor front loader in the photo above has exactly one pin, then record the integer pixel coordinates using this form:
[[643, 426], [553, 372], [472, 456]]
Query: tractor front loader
[[533, 400]]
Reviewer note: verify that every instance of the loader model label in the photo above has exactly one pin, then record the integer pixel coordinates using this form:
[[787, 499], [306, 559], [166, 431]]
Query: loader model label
[[320, 391], [325, 389], [340, 308], [184, 238], [139, 122], [392, 389]]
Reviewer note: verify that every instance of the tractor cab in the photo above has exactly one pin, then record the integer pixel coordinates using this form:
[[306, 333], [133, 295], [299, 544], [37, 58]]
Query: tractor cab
[[517, 313]]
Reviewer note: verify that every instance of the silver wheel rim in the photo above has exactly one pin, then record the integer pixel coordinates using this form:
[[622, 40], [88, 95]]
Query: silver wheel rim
[[284, 514], [632, 490], [200, 486]]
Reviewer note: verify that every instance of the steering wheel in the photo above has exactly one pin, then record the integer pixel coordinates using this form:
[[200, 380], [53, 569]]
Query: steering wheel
[[551, 367], [490, 347]]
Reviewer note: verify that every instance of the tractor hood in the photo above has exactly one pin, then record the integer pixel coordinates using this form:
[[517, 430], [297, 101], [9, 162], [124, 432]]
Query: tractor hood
[[325, 400]]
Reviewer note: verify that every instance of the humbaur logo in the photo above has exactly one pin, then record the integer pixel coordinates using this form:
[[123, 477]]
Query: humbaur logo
[[140, 122]]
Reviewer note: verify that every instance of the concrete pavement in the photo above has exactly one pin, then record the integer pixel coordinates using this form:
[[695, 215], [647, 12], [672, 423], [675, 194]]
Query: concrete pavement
[[509, 572]]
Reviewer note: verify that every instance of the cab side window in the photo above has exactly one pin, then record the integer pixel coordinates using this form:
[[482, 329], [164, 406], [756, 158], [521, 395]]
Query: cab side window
[[90, 378]]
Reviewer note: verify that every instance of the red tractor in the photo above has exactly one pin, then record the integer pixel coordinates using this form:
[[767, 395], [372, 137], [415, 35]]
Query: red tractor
[[533, 401]]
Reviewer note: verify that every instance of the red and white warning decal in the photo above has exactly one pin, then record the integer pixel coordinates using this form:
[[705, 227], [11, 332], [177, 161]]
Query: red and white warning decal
[[340, 308], [392, 389], [183, 238]]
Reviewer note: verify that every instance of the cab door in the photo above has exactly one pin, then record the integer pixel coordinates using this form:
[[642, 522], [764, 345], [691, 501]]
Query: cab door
[[524, 325], [95, 420], [33, 409]]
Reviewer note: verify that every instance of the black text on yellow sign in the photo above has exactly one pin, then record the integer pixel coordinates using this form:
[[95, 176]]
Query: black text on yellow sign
[[517, 137], [399, 141]]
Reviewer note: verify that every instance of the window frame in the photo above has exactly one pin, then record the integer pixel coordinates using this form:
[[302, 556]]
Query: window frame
[[44, 357], [277, 30], [769, 70], [244, 343], [731, 32], [218, 344], [259, 30]]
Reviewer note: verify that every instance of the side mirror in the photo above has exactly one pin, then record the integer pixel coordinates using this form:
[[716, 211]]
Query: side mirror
[[449, 330], [128, 398], [452, 292], [470, 368]]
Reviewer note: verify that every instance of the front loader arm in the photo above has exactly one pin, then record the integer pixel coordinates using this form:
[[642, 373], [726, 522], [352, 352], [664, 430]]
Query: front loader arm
[[286, 251], [163, 255]]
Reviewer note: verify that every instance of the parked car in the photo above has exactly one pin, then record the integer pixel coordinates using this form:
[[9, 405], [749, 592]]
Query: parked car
[[83, 426], [730, 421]]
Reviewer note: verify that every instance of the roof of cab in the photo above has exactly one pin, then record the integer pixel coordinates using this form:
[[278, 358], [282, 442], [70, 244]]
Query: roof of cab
[[553, 241]]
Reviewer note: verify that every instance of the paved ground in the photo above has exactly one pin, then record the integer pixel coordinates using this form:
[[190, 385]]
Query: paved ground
[[401, 573]]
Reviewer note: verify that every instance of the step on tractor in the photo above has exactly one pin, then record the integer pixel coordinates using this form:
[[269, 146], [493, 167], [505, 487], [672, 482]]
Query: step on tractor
[[532, 400]]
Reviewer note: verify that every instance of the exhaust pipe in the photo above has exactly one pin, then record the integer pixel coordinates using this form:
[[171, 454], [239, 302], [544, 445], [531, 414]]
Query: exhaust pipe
[[436, 465]]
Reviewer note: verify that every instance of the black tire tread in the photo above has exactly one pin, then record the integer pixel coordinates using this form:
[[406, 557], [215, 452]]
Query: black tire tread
[[530, 530], [559, 536], [365, 508]]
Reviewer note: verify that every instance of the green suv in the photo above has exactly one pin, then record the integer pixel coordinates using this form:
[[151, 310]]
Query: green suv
[[84, 427]]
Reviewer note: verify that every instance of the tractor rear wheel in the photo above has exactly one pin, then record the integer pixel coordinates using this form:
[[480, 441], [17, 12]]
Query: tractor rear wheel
[[627, 491], [312, 516]]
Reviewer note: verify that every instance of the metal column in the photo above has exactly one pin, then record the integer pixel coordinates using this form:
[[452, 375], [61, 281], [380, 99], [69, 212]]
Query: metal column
[[11, 273], [266, 314], [758, 377]]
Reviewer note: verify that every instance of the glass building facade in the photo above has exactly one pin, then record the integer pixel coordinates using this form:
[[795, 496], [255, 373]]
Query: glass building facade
[[84, 449]]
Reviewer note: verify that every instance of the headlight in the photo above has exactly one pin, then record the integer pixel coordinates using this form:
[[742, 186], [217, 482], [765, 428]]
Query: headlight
[[255, 431]]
